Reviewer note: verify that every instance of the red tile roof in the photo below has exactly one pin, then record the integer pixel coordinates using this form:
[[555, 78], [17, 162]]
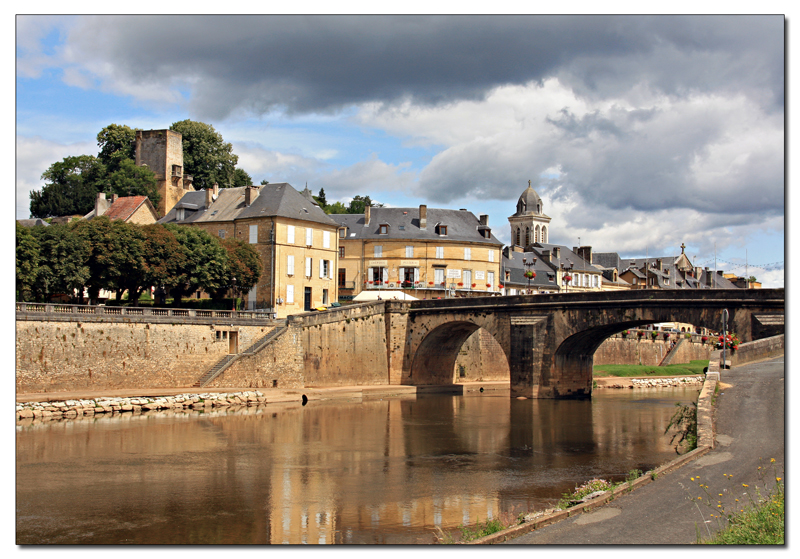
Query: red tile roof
[[123, 208]]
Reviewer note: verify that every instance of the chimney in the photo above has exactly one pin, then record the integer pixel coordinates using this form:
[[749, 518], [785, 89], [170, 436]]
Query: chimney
[[547, 255], [658, 264], [250, 195], [423, 216], [557, 252], [517, 248], [484, 219], [708, 276], [366, 214], [187, 182], [100, 204], [114, 198], [584, 252], [209, 197]]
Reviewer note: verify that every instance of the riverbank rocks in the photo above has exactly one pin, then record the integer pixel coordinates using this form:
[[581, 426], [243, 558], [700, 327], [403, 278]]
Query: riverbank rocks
[[78, 408], [666, 382]]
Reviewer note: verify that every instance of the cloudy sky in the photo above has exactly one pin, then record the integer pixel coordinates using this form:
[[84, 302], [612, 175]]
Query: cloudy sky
[[639, 133]]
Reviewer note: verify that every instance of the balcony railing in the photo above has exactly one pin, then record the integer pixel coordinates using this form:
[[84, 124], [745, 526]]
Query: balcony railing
[[139, 312]]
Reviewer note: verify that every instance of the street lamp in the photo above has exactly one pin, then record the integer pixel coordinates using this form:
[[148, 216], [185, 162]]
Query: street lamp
[[566, 274], [234, 292], [530, 274]]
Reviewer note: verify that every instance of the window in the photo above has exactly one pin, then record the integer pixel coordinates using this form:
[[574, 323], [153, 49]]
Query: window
[[324, 296], [491, 256], [309, 236], [409, 252], [467, 275], [324, 268], [290, 265], [467, 253], [438, 277], [490, 280], [342, 232], [517, 237], [441, 230], [253, 234], [290, 234], [342, 276], [290, 294], [341, 252], [383, 230], [221, 233], [326, 239], [439, 252], [308, 266], [377, 251]]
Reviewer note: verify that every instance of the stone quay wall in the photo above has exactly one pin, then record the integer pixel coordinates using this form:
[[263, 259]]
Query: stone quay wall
[[53, 356], [645, 351]]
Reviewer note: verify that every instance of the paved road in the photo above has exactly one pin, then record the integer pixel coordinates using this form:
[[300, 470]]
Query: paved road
[[749, 420]]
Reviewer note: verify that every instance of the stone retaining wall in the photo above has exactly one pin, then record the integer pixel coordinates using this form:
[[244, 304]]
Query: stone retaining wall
[[757, 350], [61, 356]]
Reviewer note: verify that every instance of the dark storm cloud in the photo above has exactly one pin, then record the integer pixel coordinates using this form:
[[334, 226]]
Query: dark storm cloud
[[322, 63]]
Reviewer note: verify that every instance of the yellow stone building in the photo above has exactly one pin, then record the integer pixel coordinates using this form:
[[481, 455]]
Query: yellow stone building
[[426, 253], [297, 241]]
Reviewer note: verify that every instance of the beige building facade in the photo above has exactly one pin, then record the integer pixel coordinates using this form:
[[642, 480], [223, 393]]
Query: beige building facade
[[297, 242], [426, 253]]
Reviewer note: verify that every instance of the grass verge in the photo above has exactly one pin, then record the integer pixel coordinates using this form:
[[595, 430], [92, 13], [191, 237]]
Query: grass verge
[[694, 367]]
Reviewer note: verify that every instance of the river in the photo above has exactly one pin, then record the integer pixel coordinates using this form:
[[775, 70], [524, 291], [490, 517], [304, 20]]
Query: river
[[346, 472]]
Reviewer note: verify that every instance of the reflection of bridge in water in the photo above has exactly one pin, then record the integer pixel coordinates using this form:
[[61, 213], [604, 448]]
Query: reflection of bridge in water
[[549, 340]]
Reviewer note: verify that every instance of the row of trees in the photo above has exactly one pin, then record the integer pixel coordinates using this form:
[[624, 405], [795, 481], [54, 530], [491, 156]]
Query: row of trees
[[356, 206], [72, 184], [119, 257]]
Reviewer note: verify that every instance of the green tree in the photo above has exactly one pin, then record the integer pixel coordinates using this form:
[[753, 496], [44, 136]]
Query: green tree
[[358, 203], [206, 156], [115, 255], [132, 180], [70, 187], [27, 262], [205, 265], [264, 182], [243, 263], [164, 258], [321, 200], [241, 178], [752, 279], [335, 208], [63, 257], [117, 142]]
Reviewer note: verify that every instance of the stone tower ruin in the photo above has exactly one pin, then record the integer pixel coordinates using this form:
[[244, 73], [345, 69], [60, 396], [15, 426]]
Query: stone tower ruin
[[162, 152]]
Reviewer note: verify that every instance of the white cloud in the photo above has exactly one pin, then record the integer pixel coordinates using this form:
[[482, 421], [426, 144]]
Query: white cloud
[[34, 156]]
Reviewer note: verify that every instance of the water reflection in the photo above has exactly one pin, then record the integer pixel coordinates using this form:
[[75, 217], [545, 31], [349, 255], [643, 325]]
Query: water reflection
[[384, 471]]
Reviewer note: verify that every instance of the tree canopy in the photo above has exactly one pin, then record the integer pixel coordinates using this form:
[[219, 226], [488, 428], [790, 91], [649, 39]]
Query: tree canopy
[[70, 187], [206, 156]]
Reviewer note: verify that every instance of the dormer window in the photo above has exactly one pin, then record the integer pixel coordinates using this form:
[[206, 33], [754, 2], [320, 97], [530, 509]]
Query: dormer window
[[383, 229], [441, 230], [343, 232]]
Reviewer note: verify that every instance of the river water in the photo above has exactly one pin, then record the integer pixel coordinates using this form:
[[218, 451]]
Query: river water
[[374, 471]]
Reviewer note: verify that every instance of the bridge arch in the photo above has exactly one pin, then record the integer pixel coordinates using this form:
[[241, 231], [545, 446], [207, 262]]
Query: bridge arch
[[435, 357]]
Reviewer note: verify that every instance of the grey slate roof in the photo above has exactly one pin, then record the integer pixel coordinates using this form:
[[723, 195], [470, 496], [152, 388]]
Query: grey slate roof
[[274, 200], [461, 225], [513, 263]]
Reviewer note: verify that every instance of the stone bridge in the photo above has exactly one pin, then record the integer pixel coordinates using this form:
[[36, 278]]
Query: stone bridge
[[550, 340]]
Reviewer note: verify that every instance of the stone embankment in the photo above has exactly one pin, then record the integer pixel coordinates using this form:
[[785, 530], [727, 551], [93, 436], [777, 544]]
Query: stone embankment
[[89, 407], [661, 382]]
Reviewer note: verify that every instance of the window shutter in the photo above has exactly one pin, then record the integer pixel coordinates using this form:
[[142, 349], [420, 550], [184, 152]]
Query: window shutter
[[309, 236], [416, 275], [290, 294], [253, 234], [290, 234], [308, 266], [290, 264], [326, 239], [321, 268]]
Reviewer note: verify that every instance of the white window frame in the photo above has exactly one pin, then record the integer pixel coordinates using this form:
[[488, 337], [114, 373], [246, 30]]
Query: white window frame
[[253, 234], [308, 266], [289, 293], [290, 234], [377, 251], [440, 253], [409, 251], [438, 277], [309, 236], [326, 239], [467, 253], [290, 265], [491, 256]]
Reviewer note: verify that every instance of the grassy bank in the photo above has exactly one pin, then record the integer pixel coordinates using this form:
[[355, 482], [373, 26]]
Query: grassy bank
[[679, 369]]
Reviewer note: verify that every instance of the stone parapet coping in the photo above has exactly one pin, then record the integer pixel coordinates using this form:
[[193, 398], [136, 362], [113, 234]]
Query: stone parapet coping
[[705, 442]]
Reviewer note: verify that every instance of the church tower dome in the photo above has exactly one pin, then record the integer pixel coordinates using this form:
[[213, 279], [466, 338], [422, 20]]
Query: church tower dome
[[529, 225]]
